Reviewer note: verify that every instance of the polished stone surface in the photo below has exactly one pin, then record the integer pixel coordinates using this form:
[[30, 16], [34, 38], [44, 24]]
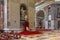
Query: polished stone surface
[[47, 35]]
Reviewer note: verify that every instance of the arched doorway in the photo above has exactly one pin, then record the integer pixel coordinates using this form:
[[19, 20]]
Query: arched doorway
[[51, 15], [39, 7]]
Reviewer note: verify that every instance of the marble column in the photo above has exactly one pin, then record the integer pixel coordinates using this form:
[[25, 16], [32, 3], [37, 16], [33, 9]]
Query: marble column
[[5, 14]]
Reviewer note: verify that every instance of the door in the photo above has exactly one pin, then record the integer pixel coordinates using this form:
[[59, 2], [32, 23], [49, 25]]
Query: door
[[1, 14]]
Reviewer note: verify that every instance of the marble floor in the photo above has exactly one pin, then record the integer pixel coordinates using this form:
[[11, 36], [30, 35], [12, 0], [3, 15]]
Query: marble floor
[[47, 35]]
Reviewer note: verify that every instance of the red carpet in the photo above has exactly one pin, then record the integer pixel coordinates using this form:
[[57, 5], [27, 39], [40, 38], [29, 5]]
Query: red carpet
[[30, 32]]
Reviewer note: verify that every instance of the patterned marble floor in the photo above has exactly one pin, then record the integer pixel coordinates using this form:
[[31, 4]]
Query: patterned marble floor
[[47, 35]]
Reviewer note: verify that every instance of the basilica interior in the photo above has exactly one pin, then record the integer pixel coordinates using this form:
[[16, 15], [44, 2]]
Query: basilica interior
[[29, 19]]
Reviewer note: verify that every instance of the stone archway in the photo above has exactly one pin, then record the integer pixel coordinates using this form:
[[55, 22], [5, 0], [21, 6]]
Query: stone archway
[[53, 14], [40, 7]]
